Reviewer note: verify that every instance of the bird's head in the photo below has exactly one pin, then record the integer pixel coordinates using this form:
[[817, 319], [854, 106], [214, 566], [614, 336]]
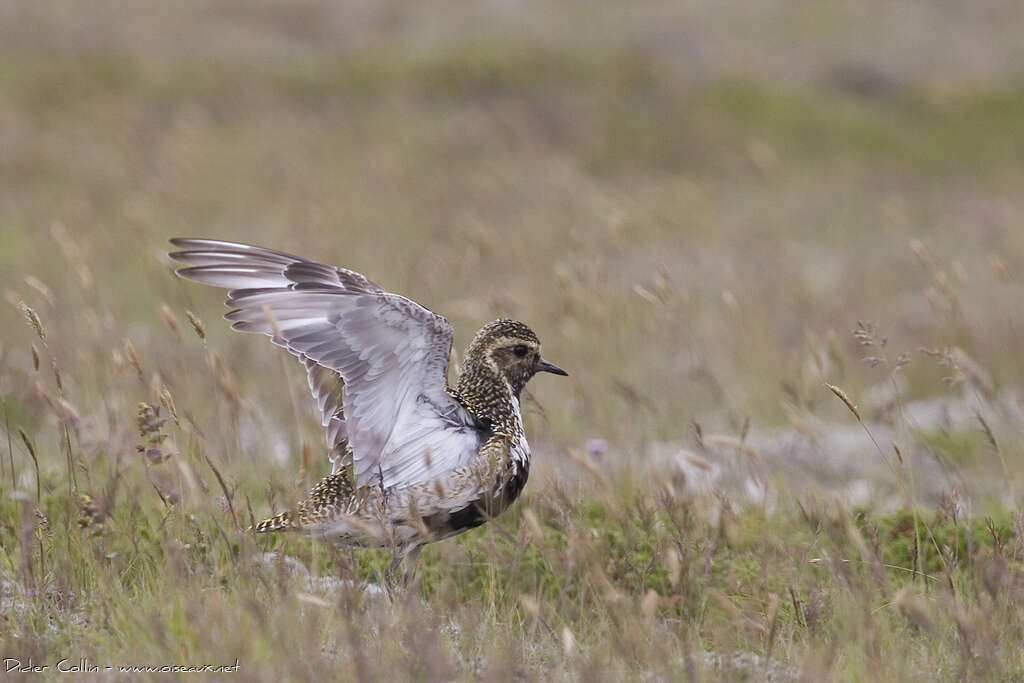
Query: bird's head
[[511, 349]]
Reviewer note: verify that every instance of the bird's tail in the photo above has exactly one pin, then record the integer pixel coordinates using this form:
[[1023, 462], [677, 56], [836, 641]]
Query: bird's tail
[[281, 522]]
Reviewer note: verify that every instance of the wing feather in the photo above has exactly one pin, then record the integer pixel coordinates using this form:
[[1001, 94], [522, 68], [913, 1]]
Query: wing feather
[[327, 386], [377, 363]]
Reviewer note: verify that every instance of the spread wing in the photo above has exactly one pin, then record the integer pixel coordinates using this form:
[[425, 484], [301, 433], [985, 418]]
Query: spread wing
[[393, 409]]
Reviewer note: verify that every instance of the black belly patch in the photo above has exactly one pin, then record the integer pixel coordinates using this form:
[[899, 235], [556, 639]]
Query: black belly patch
[[475, 514], [514, 486], [458, 521]]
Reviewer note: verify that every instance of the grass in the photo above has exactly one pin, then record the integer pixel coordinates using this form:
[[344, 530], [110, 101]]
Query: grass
[[695, 229]]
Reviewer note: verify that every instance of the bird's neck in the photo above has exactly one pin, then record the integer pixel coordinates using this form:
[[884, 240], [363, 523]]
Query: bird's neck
[[489, 397]]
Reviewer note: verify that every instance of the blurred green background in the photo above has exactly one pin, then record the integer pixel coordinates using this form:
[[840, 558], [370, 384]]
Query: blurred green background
[[687, 201]]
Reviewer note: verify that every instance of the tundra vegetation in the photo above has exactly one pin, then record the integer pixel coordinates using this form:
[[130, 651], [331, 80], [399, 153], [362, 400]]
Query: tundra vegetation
[[779, 249]]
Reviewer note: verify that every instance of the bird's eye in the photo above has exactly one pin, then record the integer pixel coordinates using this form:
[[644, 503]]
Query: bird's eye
[[519, 350]]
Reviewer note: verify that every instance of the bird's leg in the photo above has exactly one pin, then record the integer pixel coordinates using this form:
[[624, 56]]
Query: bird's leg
[[409, 555], [389, 573], [411, 559]]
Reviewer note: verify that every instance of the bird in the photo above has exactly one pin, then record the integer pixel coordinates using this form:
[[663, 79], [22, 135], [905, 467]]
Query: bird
[[413, 459]]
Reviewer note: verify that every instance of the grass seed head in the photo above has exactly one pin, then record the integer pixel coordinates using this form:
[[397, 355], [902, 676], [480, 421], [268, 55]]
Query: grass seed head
[[531, 523], [33, 320], [133, 357], [998, 268], [197, 325], [845, 399], [41, 287], [44, 523], [167, 401], [167, 315]]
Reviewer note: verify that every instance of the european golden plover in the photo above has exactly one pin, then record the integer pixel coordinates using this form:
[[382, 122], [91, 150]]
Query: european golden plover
[[413, 459]]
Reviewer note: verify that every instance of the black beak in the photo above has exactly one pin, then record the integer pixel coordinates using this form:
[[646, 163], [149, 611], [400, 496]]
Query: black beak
[[545, 366]]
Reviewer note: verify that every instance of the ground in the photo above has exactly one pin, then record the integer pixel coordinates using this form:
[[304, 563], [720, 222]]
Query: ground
[[709, 213]]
